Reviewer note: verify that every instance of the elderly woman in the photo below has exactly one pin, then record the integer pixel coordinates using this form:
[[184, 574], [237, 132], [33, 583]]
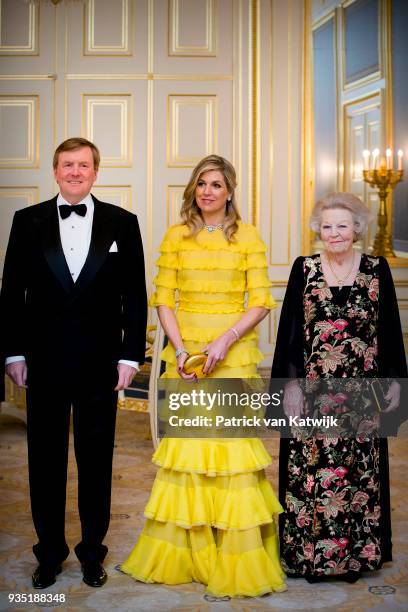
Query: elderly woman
[[210, 513], [339, 320]]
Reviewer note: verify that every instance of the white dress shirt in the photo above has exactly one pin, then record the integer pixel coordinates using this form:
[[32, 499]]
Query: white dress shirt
[[75, 233]]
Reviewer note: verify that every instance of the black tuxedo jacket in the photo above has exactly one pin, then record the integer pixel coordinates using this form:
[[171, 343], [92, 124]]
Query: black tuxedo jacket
[[51, 320]]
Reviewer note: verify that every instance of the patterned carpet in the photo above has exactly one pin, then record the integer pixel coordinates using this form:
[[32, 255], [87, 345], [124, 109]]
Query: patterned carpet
[[133, 476]]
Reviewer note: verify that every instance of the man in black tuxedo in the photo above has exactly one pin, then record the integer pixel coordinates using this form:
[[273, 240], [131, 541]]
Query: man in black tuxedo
[[74, 315]]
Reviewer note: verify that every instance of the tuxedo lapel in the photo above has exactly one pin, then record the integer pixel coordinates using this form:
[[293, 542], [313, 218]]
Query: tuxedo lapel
[[101, 239], [48, 228]]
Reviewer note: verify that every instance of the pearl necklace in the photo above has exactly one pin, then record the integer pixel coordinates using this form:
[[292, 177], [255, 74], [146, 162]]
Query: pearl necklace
[[213, 228], [341, 281]]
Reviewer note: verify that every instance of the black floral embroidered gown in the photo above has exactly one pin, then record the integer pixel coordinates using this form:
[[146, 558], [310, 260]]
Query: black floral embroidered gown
[[336, 491]]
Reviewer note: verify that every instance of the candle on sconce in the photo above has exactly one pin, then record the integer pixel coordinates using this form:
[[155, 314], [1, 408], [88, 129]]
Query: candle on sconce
[[366, 157], [388, 154], [400, 155], [376, 153]]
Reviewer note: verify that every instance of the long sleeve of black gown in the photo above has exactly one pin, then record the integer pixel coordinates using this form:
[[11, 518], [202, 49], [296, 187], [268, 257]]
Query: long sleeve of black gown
[[288, 361], [391, 352]]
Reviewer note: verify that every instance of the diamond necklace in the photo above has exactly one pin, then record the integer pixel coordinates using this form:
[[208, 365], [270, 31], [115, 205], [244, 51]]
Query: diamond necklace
[[212, 228], [341, 281]]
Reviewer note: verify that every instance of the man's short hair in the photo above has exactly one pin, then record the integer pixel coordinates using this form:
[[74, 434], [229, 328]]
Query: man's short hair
[[73, 144]]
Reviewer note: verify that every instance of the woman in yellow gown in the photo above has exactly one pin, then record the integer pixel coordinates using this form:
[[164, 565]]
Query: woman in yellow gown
[[210, 512]]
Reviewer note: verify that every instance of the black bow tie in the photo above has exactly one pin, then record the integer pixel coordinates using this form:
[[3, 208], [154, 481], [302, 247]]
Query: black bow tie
[[65, 210]]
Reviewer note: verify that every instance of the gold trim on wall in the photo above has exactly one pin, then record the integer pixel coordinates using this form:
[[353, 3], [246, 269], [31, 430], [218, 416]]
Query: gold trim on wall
[[175, 48], [122, 49], [237, 121], [172, 205], [307, 129], [28, 77], [148, 76], [32, 103], [32, 47], [210, 103], [125, 103], [30, 192], [290, 178], [150, 150], [253, 114], [107, 191]]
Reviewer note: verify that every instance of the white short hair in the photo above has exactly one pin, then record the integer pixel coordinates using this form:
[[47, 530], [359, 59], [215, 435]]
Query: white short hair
[[347, 201]]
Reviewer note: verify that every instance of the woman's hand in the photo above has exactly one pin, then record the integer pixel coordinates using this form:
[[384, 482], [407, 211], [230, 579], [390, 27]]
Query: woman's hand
[[217, 350], [393, 396], [180, 364], [293, 400]]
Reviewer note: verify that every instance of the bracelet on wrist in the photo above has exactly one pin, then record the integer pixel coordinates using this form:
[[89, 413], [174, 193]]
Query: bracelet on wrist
[[235, 332], [180, 351]]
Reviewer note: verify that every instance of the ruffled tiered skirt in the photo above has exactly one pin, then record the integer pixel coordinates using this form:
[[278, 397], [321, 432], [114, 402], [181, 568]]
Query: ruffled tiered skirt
[[210, 519]]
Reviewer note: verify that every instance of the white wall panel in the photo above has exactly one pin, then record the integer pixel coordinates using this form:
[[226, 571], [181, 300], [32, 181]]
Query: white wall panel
[[106, 38], [12, 199], [193, 28], [107, 31], [27, 38], [174, 201], [194, 37], [18, 27], [109, 119], [120, 195], [192, 125], [19, 149]]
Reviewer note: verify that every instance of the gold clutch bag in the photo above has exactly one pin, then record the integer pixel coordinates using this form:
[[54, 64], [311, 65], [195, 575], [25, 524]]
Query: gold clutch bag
[[194, 364]]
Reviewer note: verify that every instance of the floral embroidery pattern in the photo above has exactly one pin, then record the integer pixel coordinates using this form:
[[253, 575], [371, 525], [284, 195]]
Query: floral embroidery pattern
[[333, 493]]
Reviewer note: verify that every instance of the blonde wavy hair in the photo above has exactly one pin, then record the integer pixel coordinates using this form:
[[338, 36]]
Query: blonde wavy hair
[[190, 212]]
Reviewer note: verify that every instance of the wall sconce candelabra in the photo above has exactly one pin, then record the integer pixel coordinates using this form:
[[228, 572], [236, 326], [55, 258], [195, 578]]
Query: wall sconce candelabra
[[381, 175]]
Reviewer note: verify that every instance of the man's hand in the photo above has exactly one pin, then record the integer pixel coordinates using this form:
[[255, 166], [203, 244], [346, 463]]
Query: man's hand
[[17, 371], [125, 376]]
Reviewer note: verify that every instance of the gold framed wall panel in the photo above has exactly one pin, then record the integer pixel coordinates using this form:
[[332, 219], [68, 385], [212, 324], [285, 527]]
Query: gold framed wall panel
[[174, 201], [120, 195], [32, 13], [18, 196], [191, 106], [285, 160], [92, 49], [176, 52], [121, 105], [307, 133], [121, 131], [18, 103], [122, 48], [179, 8]]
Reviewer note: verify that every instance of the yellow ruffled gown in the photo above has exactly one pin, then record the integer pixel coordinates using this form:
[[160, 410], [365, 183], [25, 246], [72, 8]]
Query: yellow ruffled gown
[[210, 512]]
